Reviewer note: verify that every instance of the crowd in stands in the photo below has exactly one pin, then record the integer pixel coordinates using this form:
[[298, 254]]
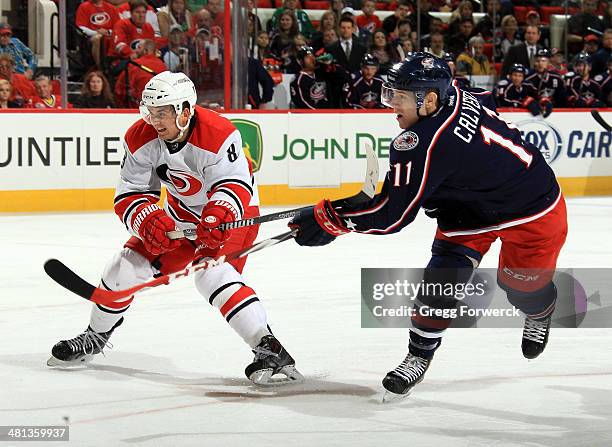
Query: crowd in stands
[[338, 61]]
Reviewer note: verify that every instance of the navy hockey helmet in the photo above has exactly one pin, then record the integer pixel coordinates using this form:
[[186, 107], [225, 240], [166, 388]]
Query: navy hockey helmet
[[582, 58], [543, 53], [369, 60], [448, 57], [518, 68], [304, 51], [420, 73]]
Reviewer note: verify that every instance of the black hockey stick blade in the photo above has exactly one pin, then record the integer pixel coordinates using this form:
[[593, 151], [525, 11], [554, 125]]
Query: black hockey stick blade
[[66, 278], [597, 117]]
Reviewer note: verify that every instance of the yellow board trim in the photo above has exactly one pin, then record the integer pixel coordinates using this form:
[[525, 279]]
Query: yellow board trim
[[270, 195]]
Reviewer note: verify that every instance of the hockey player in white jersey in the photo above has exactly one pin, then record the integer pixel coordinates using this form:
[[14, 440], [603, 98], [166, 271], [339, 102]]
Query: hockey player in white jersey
[[197, 155]]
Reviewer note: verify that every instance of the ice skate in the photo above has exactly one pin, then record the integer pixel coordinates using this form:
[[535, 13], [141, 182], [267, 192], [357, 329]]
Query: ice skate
[[272, 359], [80, 349], [399, 382], [535, 336]]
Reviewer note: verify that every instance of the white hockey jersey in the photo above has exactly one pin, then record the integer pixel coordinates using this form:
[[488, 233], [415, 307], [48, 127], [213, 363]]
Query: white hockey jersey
[[210, 166]]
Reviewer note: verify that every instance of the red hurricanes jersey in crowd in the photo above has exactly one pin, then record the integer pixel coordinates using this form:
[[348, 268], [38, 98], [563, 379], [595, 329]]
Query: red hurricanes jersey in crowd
[[94, 17], [371, 23], [127, 35], [210, 165], [55, 102], [138, 78]]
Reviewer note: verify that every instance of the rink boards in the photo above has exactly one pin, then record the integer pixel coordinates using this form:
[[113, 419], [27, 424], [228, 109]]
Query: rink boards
[[69, 160]]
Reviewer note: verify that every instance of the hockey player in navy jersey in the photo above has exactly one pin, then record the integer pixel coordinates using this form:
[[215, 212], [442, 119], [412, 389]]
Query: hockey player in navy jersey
[[197, 155], [549, 86], [518, 94], [469, 169], [363, 92], [583, 90]]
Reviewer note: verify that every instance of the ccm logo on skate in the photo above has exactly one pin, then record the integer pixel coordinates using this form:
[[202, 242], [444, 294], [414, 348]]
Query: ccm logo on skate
[[520, 276]]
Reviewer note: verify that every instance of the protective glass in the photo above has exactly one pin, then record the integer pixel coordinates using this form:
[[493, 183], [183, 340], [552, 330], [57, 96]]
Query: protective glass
[[395, 98], [149, 116]]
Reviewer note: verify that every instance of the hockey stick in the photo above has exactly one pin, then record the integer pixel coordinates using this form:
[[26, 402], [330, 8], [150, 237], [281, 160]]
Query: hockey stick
[[597, 117], [66, 278], [367, 192]]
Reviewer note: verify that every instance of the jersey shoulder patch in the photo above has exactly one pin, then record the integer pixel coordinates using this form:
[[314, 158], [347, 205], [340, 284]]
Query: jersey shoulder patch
[[405, 141], [138, 135], [598, 78], [211, 130], [502, 83]]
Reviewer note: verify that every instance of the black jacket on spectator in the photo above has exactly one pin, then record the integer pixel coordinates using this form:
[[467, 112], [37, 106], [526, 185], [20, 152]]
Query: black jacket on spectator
[[457, 43], [605, 82], [599, 61], [92, 102], [259, 76], [354, 61], [517, 54]]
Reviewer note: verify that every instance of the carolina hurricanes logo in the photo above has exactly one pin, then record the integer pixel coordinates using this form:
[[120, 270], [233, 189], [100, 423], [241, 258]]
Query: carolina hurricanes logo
[[100, 18], [185, 183]]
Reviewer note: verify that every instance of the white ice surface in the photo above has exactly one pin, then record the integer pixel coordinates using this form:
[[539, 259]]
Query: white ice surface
[[175, 374]]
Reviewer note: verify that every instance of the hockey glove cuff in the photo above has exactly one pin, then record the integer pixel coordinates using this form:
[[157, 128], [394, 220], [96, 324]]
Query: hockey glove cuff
[[214, 214], [318, 225], [152, 223]]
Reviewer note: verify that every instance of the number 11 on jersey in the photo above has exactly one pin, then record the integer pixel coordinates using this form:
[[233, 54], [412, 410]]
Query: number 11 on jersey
[[397, 175]]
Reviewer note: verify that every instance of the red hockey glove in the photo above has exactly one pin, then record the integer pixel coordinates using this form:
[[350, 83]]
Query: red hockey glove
[[530, 104], [214, 214], [318, 225], [546, 106], [152, 223]]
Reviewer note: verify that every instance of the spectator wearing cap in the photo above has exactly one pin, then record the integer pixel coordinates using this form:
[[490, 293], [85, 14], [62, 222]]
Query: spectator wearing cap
[[25, 60], [303, 21], [23, 90], [368, 22], [509, 36], [128, 33], [474, 62], [131, 82], [457, 43], [523, 53], [6, 89], [583, 91], [599, 59], [176, 13], [364, 90], [347, 52], [401, 12], [45, 98], [176, 54], [548, 84], [95, 92], [578, 25]]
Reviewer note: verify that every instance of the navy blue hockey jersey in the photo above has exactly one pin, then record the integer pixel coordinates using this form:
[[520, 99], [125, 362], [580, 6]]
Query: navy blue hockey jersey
[[466, 167]]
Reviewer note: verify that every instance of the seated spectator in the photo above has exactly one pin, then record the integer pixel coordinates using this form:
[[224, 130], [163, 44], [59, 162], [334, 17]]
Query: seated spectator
[[436, 42], [578, 25], [401, 12], [400, 48], [5, 95], [533, 19], [176, 55], [282, 42], [129, 32], [330, 37], [402, 32], [25, 60], [474, 62], [583, 91], [524, 52], [45, 98], [464, 10], [175, 14], [363, 92], [95, 92], [201, 19], [435, 26], [150, 16], [457, 43], [257, 77], [23, 91], [96, 19], [328, 21], [215, 7], [368, 21], [599, 59], [303, 21], [347, 52], [485, 25], [516, 93], [381, 50], [509, 36], [549, 85], [131, 81]]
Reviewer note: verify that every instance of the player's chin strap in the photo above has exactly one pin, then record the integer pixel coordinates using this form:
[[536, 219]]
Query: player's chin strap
[[182, 129]]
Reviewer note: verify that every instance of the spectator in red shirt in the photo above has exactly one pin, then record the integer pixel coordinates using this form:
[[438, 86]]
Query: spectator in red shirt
[[129, 91], [129, 32], [151, 15], [368, 21], [23, 90], [96, 19], [45, 98]]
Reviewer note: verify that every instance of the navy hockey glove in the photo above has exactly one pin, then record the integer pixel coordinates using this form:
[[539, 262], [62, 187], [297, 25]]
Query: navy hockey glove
[[318, 225], [531, 104], [546, 106]]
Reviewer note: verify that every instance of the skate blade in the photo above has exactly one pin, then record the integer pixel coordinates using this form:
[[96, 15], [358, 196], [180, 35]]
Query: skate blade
[[390, 398], [264, 377], [57, 363]]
